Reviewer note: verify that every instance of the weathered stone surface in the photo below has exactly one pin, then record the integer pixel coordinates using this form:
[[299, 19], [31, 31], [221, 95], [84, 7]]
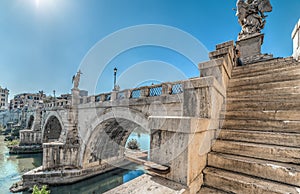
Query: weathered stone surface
[[221, 63], [292, 74], [237, 183], [276, 171], [258, 149], [206, 190], [281, 115], [262, 67], [263, 104], [262, 125], [150, 184], [272, 138], [277, 65], [263, 151], [250, 46]]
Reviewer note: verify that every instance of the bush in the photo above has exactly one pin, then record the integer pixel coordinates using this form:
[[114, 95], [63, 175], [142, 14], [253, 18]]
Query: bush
[[13, 143], [43, 190], [133, 145]]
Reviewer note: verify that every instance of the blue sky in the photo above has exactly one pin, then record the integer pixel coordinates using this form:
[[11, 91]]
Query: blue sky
[[44, 42]]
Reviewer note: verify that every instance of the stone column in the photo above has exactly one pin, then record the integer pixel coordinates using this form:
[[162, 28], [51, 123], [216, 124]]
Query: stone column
[[296, 41]]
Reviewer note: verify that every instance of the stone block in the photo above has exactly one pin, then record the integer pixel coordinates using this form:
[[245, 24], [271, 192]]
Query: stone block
[[250, 46], [185, 154], [225, 44]]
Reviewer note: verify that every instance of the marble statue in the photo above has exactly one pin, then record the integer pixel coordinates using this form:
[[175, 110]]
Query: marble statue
[[76, 79], [251, 16]]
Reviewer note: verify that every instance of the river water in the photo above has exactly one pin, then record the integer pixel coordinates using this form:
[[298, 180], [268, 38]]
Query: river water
[[13, 166]]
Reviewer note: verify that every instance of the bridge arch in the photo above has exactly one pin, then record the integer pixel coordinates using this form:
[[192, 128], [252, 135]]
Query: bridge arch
[[52, 128], [106, 137]]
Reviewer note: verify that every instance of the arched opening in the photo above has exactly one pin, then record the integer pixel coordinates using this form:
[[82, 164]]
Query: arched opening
[[139, 140], [30, 122], [109, 139], [52, 130]]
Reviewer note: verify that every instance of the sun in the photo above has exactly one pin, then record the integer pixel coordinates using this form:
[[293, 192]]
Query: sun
[[45, 3], [37, 3]]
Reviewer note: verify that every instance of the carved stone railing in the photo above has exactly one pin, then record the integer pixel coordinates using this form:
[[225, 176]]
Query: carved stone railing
[[164, 89], [57, 104]]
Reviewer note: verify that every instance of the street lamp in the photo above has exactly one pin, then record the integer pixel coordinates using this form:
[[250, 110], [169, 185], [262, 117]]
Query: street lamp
[[54, 96], [115, 77]]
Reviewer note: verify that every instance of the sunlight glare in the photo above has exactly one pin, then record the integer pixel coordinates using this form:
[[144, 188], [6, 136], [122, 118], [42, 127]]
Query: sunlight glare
[[37, 3], [45, 4]]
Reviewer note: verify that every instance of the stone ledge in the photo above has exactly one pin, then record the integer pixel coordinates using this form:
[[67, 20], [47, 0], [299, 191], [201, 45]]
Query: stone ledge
[[225, 44], [181, 124], [149, 184]]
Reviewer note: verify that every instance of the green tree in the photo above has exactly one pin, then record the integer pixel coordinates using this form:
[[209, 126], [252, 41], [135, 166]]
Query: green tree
[[133, 145], [43, 190]]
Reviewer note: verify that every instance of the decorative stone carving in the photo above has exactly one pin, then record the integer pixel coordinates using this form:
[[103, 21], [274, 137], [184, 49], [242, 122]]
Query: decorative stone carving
[[251, 16], [76, 79]]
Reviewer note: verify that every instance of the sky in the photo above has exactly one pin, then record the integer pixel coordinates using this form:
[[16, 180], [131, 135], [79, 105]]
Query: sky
[[43, 43]]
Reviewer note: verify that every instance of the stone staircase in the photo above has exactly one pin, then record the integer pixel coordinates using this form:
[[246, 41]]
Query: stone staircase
[[258, 148]]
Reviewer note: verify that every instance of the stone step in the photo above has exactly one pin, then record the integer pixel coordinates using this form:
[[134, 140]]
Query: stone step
[[262, 125], [268, 94], [276, 171], [259, 151], [251, 105], [207, 190], [251, 72], [281, 115], [271, 138], [243, 184], [266, 97], [270, 86], [255, 73], [279, 76], [263, 66]]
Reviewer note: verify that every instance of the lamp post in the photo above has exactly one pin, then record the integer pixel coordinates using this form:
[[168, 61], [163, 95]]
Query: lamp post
[[54, 96], [115, 77]]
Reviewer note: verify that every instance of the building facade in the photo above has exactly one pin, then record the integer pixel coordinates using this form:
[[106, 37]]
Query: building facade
[[29, 100], [4, 98]]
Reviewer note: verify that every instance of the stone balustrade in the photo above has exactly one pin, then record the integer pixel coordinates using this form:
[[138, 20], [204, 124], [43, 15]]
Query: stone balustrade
[[60, 103], [164, 89]]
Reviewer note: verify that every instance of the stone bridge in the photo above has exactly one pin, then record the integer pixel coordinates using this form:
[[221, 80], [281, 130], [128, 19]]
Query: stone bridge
[[87, 135]]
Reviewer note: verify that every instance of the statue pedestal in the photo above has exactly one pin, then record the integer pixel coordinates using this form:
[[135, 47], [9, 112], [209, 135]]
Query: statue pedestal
[[75, 96], [250, 49], [250, 46]]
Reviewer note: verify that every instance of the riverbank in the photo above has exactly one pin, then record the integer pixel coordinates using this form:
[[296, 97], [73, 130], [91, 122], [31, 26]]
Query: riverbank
[[12, 167], [33, 149]]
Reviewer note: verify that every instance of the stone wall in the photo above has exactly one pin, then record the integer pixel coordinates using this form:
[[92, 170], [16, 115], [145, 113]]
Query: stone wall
[[57, 155], [30, 137]]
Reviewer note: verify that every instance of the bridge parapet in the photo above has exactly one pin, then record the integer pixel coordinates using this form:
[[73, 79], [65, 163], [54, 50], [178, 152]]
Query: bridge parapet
[[57, 104], [164, 89]]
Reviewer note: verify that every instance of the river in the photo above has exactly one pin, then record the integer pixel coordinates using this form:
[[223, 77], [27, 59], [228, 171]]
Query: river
[[13, 166]]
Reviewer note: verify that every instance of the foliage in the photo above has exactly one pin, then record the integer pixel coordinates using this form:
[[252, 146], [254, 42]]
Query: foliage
[[133, 145], [43, 190], [13, 143]]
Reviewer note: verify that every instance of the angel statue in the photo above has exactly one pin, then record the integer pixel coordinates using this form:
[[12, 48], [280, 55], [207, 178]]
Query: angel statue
[[76, 79], [251, 16]]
